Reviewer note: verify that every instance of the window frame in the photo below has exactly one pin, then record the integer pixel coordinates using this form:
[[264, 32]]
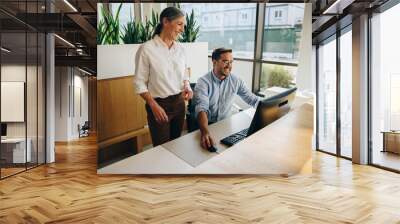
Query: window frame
[[333, 37], [257, 59]]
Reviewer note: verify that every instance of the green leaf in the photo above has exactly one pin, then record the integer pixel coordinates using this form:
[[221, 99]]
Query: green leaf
[[191, 30], [108, 29]]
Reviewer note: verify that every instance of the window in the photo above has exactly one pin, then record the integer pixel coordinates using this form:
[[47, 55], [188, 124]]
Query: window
[[22, 65], [220, 26], [280, 46], [278, 14], [327, 96], [385, 87], [346, 93], [126, 13], [148, 8], [275, 76], [281, 40]]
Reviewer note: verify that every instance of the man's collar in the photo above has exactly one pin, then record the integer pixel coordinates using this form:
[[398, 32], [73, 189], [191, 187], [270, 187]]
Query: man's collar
[[216, 79]]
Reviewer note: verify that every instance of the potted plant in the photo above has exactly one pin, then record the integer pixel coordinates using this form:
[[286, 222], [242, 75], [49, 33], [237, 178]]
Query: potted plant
[[108, 31], [280, 77], [116, 53], [132, 33], [191, 30]]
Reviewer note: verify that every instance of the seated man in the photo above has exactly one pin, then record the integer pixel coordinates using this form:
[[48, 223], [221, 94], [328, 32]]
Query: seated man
[[214, 93]]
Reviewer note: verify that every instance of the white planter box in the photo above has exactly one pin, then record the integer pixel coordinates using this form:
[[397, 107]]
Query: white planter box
[[115, 61]]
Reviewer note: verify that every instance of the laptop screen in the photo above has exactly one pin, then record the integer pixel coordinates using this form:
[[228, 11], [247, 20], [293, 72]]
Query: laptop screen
[[271, 109]]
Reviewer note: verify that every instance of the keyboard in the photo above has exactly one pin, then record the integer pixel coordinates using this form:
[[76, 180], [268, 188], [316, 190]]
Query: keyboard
[[235, 138]]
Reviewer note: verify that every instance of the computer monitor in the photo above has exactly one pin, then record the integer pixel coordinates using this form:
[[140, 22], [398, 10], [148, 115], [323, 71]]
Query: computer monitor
[[271, 109], [3, 129]]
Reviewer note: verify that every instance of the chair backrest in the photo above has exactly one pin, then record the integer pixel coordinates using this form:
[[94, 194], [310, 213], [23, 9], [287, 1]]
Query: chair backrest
[[86, 125], [191, 105], [191, 120]]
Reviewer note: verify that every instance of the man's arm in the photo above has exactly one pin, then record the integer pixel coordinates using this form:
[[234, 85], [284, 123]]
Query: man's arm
[[246, 95], [206, 139], [201, 100]]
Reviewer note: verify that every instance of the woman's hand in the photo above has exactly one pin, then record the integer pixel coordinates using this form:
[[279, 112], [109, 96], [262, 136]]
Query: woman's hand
[[159, 113], [187, 93]]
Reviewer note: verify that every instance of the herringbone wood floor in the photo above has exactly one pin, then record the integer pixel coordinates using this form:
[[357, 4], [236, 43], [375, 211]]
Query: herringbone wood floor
[[70, 191]]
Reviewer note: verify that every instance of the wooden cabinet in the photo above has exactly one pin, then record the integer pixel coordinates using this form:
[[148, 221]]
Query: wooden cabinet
[[391, 141], [120, 111]]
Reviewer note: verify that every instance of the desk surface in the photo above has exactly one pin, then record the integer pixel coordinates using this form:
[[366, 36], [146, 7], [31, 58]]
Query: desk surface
[[283, 147], [188, 146]]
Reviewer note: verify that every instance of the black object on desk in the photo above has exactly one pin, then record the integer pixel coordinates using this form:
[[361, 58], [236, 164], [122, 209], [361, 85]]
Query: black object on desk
[[212, 149], [268, 111]]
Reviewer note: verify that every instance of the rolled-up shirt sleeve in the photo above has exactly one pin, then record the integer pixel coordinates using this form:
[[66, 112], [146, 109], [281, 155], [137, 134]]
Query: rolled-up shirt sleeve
[[142, 71], [246, 95], [201, 99]]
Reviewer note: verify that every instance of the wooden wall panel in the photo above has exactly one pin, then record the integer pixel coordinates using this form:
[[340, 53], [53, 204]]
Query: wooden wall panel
[[119, 109]]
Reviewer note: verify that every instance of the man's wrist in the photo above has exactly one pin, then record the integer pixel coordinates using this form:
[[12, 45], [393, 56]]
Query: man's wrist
[[204, 131]]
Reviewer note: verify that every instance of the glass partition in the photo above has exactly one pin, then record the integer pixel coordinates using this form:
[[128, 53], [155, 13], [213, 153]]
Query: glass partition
[[385, 89], [13, 105], [22, 88], [327, 96], [346, 93]]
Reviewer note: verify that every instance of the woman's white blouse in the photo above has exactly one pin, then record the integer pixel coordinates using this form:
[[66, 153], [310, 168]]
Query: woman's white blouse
[[160, 70]]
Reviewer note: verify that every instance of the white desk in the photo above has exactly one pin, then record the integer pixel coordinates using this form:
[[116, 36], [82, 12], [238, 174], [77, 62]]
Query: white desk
[[282, 148], [140, 164], [17, 147], [188, 146]]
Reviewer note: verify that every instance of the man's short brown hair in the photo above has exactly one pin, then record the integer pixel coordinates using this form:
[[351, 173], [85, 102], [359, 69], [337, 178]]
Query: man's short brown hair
[[216, 54]]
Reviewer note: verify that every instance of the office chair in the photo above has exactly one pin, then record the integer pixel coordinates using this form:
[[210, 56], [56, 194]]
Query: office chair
[[84, 130], [191, 120]]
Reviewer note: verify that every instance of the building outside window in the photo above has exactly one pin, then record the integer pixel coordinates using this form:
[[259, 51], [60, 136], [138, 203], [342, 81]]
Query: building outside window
[[226, 25], [282, 34]]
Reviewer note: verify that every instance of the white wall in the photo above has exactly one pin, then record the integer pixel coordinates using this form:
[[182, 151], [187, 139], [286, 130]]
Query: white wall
[[304, 78], [33, 125], [70, 81], [12, 73]]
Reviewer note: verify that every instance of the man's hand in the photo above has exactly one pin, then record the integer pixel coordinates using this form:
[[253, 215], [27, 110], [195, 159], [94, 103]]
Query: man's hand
[[158, 113], [206, 140], [187, 92]]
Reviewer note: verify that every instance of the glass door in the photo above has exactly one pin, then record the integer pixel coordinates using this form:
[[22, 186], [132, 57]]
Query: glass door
[[327, 93]]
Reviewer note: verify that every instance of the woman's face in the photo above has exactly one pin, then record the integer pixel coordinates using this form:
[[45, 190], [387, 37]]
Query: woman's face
[[174, 28]]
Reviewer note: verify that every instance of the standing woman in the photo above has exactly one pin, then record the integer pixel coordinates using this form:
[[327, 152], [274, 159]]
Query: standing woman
[[161, 78]]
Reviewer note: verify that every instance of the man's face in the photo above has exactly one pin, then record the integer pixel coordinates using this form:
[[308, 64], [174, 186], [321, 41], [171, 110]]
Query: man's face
[[224, 64]]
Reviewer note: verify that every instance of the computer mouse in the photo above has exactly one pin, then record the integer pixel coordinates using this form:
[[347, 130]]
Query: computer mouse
[[212, 149]]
